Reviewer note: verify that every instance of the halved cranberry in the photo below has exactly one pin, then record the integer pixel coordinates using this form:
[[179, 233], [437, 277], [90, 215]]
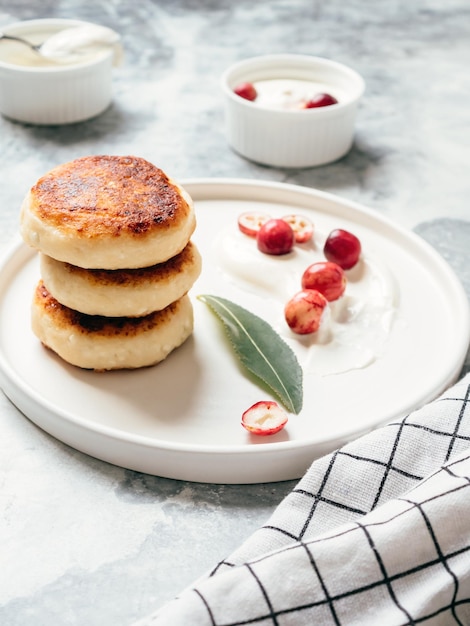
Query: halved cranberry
[[264, 418], [250, 222], [302, 227]]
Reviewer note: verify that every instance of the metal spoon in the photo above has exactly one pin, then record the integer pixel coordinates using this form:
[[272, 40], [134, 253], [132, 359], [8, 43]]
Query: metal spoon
[[65, 45], [31, 46]]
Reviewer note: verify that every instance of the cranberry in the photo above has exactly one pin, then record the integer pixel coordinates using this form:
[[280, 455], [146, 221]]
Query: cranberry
[[264, 418], [343, 248], [321, 100], [246, 91], [302, 227], [275, 237], [304, 310], [250, 222], [326, 277]]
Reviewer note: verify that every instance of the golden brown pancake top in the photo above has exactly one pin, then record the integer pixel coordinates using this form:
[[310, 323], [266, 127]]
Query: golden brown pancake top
[[133, 277], [96, 196], [98, 325]]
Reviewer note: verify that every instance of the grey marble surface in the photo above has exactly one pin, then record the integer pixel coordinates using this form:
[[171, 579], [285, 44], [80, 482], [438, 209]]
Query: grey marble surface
[[84, 542]]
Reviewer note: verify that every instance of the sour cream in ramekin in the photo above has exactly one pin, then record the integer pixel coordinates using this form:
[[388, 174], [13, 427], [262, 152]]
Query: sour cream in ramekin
[[76, 87], [289, 94], [280, 136]]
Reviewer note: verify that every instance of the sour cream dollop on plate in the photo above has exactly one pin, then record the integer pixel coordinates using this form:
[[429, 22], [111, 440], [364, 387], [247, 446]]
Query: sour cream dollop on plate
[[354, 329]]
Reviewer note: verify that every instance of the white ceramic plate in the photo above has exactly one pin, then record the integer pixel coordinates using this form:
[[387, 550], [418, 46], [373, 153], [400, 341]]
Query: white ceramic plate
[[181, 419]]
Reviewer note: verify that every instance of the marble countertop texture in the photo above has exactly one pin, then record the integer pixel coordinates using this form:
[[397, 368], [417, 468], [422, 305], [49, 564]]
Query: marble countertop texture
[[85, 542]]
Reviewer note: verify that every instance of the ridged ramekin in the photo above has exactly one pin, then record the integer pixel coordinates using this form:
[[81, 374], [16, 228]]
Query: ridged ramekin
[[58, 94], [287, 138]]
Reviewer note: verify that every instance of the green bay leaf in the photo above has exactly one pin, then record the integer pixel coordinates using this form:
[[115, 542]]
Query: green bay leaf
[[261, 350]]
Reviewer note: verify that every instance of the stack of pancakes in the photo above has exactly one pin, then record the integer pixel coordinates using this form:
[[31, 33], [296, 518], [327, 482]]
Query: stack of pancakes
[[116, 261]]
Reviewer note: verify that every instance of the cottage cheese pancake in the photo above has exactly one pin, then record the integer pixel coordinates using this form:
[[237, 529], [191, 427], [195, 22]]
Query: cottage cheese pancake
[[128, 292], [108, 212], [102, 343]]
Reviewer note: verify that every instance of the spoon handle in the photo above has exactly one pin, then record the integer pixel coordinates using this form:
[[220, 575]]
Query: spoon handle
[[23, 41], [3, 36]]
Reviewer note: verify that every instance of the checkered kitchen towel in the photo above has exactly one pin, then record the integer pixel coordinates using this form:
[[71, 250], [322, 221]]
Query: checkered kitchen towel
[[376, 533]]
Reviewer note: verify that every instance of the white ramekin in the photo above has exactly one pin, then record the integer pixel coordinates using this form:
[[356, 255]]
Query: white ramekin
[[286, 138], [59, 94]]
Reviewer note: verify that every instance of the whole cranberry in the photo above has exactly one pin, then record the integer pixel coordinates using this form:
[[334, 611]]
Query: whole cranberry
[[321, 100], [326, 277], [246, 91], [343, 248], [275, 237], [303, 312]]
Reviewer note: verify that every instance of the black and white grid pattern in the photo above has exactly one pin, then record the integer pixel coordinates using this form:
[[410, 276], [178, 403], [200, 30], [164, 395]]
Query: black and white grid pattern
[[376, 533]]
